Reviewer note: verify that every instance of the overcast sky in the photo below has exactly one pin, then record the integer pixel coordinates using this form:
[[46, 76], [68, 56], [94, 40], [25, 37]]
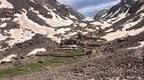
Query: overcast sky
[[89, 7]]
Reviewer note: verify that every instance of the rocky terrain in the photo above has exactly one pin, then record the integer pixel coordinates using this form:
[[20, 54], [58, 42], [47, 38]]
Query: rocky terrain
[[108, 48], [32, 24]]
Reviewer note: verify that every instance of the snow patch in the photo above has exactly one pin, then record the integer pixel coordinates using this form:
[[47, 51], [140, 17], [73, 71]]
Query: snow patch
[[88, 19], [109, 30], [131, 24], [5, 4], [72, 16], [142, 8], [3, 25], [63, 30], [8, 58], [102, 24], [36, 28], [122, 34], [118, 18], [56, 20], [141, 45], [82, 24], [2, 37], [19, 35], [35, 51]]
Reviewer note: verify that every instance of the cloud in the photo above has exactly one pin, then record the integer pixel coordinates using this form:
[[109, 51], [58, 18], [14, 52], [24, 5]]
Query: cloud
[[89, 7], [70, 2], [94, 8], [82, 3]]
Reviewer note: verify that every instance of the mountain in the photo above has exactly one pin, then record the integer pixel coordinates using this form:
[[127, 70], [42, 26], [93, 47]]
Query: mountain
[[124, 20], [107, 48], [120, 53], [31, 24], [101, 14], [26, 25]]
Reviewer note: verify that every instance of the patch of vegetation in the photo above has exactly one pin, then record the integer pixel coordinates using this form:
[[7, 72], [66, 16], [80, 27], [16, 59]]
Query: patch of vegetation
[[51, 61]]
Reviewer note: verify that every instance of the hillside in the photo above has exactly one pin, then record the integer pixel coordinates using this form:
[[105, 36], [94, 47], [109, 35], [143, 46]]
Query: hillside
[[52, 41]]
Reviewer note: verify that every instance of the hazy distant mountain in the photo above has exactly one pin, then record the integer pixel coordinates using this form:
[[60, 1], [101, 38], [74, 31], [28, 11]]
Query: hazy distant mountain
[[101, 14]]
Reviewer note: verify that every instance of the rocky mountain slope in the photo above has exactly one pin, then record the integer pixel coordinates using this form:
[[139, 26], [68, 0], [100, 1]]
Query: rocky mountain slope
[[26, 25], [124, 21], [101, 14], [113, 42]]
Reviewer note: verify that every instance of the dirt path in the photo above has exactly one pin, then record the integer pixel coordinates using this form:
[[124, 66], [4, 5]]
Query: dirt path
[[119, 65]]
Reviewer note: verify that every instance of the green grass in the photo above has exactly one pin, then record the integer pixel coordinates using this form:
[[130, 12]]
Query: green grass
[[52, 60]]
